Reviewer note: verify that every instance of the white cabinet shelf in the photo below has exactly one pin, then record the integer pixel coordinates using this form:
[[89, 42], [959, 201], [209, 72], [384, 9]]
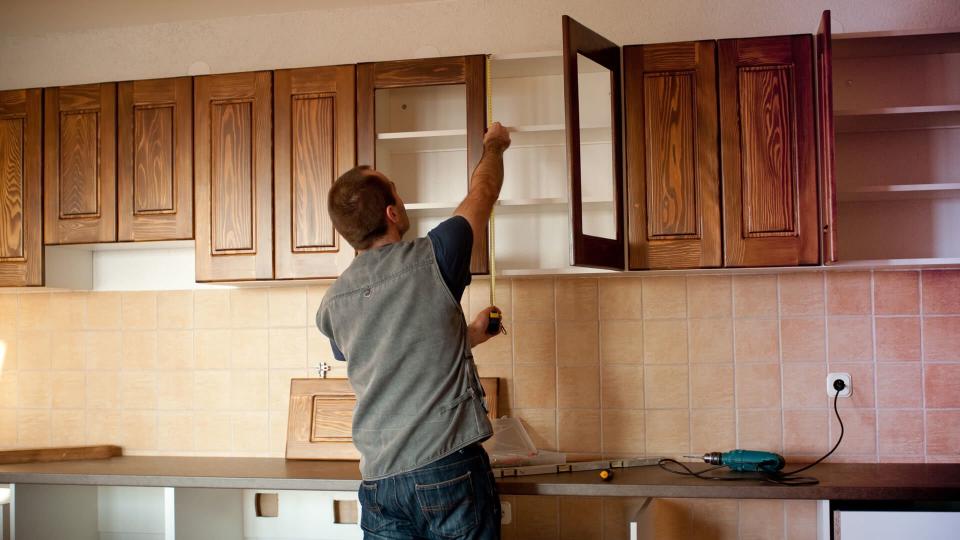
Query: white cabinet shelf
[[920, 109], [425, 134], [901, 191]]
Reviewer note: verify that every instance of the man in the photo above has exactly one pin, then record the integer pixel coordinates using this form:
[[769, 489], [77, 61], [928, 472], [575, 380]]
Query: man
[[394, 315]]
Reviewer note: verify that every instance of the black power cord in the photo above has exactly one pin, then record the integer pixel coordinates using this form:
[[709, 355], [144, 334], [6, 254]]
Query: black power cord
[[781, 478]]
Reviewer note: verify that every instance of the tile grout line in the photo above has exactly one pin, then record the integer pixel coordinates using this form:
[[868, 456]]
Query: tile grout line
[[736, 405], [923, 362], [783, 446], [876, 393], [686, 289]]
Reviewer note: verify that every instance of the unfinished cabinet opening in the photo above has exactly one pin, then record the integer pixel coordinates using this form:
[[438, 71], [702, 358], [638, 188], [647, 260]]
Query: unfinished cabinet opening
[[533, 215], [897, 114]]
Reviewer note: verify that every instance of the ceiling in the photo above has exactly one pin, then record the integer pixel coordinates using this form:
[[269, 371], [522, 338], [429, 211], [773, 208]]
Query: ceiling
[[34, 17]]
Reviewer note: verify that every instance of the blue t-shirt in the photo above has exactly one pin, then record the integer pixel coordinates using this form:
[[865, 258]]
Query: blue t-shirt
[[452, 244]]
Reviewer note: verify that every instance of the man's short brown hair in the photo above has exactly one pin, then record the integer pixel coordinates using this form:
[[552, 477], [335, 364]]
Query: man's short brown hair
[[357, 204]]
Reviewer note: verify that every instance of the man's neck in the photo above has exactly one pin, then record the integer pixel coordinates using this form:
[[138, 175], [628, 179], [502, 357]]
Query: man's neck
[[391, 237]]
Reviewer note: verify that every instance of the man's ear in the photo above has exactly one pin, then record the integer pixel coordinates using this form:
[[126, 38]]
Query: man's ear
[[392, 214]]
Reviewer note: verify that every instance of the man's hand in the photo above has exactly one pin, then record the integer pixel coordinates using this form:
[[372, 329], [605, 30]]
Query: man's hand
[[477, 331], [497, 138]]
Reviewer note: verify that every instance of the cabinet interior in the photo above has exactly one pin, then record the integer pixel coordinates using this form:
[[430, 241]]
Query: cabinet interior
[[897, 114]]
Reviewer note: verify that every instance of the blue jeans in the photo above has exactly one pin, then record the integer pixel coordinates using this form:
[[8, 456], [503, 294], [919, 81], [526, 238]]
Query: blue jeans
[[455, 497]]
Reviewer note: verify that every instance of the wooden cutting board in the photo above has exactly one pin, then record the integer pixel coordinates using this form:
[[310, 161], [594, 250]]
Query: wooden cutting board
[[66, 453], [321, 417]]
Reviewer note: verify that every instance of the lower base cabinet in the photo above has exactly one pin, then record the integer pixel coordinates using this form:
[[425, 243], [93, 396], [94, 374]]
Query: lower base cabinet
[[55, 512]]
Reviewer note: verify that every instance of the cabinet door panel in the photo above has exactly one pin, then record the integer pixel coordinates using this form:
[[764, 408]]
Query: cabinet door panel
[[828, 178], [233, 176], [313, 145], [80, 164], [21, 249], [589, 249], [768, 151], [673, 177], [467, 70], [155, 160]]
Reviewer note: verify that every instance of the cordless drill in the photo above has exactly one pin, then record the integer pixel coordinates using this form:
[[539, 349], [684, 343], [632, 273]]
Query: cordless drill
[[745, 460]]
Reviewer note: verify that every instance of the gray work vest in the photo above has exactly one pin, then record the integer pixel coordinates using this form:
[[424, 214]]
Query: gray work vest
[[404, 335]]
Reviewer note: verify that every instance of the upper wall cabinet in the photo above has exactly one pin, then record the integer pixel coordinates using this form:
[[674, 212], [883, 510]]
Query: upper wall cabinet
[[313, 144], [421, 123], [155, 160], [673, 171], [233, 126], [80, 164], [768, 151], [21, 249]]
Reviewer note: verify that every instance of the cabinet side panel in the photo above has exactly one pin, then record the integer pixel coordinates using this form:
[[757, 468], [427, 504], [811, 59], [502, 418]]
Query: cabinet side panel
[[231, 177]]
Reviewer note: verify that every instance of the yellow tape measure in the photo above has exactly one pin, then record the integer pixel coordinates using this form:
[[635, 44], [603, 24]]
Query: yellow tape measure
[[495, 322]]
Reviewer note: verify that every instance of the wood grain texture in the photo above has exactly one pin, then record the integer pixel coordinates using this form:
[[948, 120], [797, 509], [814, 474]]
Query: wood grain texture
[[80, 164], [68, 453], [155, 160], [12, 189], [79, 167], [233, 176], [21, 221], [768, 151], [673, 176], [420, 72], [467, 70], [313, 145], [767, 144], [476, 81], [591, 251], [320, 419], [827, 139]]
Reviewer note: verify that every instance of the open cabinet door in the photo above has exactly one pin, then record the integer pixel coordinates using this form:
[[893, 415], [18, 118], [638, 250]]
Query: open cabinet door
[[592, 75], [828, 178]]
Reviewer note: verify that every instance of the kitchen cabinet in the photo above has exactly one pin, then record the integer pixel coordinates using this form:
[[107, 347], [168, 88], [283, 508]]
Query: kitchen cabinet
[[233, 176], [155, 160], [313, 144], [421, 123], [80, 150], [896, 189], [673, 165], [768, 152], [753, 95], [21, 225]]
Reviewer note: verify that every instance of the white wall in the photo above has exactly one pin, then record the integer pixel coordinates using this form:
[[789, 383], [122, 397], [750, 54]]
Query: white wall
[[348, 35]]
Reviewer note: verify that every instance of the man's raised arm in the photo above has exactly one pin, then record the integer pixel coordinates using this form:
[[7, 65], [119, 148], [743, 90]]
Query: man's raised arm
[[486, 181]]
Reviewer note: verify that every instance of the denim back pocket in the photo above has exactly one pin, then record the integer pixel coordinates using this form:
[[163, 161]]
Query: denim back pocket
[[449, 506], [371, 517]]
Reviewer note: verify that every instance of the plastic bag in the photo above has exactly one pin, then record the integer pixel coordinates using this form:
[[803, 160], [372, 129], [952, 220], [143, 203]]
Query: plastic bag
[[511, 446]]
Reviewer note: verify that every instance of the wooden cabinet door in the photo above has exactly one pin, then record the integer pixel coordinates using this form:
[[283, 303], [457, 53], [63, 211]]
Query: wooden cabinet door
[[767, 147], [672, 155], [592, 250], [233, 176], [467, 70], [21, 225], [80, 149], [828, 178], [313, 144], [155, 160]]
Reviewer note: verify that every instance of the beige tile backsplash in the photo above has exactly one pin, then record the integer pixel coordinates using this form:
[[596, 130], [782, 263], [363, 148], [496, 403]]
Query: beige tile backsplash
[[610, 366]]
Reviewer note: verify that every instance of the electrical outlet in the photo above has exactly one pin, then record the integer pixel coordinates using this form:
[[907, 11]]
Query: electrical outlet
[[506, 513], [845, 377]]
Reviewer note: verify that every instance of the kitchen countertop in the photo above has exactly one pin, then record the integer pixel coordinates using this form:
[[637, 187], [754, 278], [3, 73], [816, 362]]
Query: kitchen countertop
[[838, 481]]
